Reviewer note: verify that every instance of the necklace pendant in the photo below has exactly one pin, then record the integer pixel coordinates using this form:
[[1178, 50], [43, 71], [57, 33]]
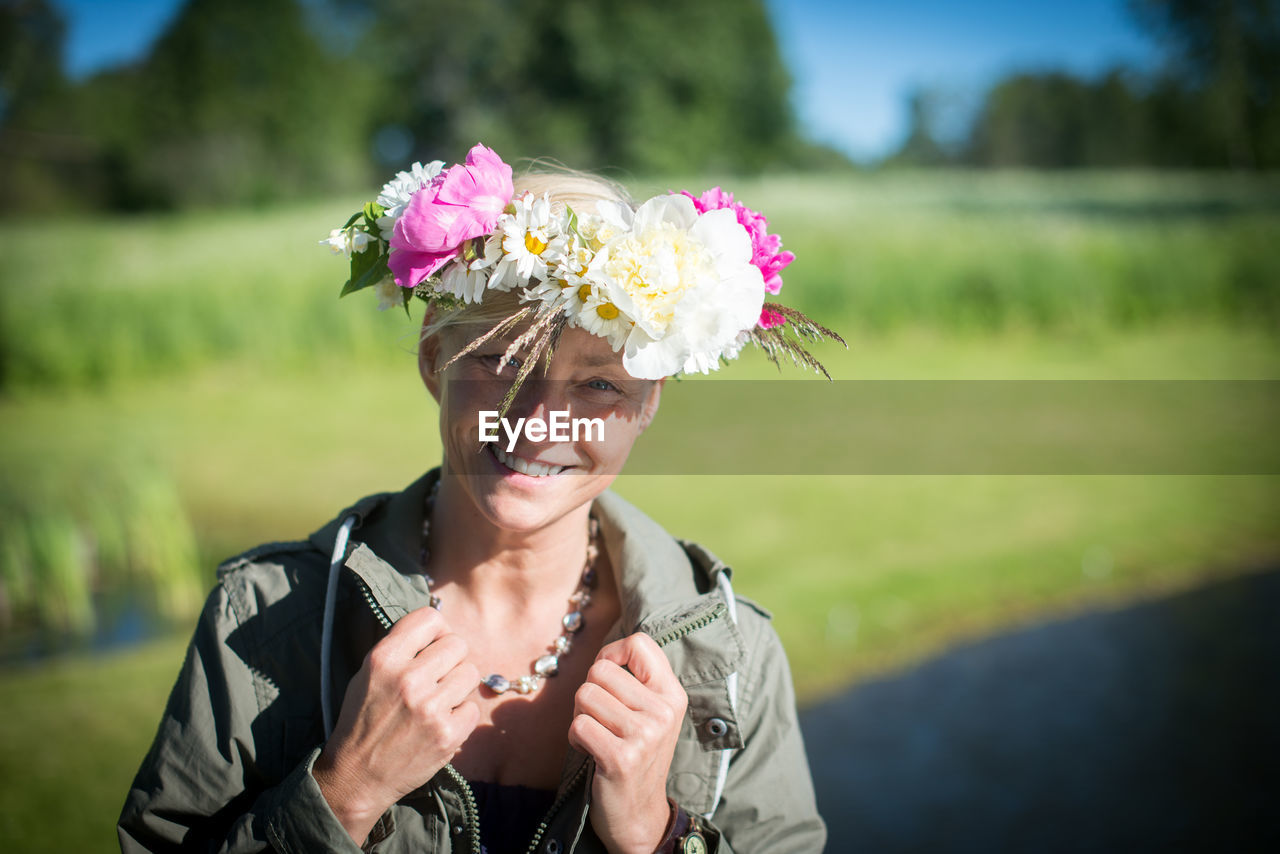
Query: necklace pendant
[[547, 665], [497, 683], [573, 621]]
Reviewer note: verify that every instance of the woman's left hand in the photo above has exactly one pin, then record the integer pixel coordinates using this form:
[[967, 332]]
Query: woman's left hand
[[629, 721]]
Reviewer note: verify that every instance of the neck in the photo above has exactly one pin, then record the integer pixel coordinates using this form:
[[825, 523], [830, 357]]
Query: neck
[[490, 563]]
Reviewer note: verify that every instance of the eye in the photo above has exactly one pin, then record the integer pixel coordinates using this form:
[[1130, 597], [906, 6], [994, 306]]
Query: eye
[[601, 385], [493, 359]]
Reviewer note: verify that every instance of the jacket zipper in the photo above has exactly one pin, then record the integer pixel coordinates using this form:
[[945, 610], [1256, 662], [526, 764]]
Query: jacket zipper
[[469, 801], [672, 635], [374, 606], [468, 807], [468, 797], [559, 802]]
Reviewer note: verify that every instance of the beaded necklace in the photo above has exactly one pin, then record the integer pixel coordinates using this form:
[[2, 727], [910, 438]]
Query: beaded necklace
[[546, 665]]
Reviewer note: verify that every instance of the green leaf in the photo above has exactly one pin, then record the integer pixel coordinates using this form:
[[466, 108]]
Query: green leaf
[[573, 220], [406, 294], [371, 212], [355, 216], [367, 268]]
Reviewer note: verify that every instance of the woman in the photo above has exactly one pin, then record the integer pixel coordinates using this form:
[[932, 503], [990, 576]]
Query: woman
[[506, 656]]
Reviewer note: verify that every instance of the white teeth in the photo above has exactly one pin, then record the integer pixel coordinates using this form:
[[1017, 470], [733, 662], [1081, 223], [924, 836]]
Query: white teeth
[[529, 467]]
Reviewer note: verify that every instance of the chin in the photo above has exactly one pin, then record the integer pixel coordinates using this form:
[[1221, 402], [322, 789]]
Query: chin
[[518, 502]]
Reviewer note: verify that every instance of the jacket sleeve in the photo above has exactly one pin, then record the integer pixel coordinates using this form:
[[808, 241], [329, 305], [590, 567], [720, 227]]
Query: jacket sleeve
[[201, 787], [768, 803]]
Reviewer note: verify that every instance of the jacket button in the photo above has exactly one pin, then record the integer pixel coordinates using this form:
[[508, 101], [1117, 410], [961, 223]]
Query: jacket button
[[552, 846], [717, 727], [459, 829]]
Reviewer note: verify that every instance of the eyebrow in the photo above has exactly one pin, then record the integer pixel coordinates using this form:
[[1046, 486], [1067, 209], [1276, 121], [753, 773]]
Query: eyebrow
[[596, 361]]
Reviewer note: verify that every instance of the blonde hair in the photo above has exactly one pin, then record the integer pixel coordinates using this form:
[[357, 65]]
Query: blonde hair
[[563, 187]]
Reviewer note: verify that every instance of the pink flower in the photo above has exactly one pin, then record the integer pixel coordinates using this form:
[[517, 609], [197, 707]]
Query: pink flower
[[766, 249], [459, 204], [770, 318]]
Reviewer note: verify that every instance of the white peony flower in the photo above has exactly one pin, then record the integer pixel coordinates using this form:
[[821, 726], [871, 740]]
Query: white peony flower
[[397, 192], [686, 281]]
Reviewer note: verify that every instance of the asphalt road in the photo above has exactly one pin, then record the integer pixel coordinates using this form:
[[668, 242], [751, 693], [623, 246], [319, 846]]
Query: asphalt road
[[1152, 728]]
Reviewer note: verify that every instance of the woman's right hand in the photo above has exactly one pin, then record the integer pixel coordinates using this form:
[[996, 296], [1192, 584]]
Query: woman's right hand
[[404, 716]]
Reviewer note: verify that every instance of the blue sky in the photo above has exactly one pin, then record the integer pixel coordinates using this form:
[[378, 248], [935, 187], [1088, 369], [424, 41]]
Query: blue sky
[[853, 61]]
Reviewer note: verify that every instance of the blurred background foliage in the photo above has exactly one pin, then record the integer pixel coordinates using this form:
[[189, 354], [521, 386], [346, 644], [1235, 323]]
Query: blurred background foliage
[[245, 101], [250, 101], [1212, 103]]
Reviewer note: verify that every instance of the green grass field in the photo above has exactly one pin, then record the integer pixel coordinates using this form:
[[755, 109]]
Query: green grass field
[[210, 351]]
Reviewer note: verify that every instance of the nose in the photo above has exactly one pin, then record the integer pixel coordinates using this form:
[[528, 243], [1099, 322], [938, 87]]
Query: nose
[[538, 398]]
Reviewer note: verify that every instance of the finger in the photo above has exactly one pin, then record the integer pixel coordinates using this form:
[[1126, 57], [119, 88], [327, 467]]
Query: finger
[[413, 632], [459, 684], [465, 717], [640, 654], [441, 655], [623, 685], [597, 702], [457, 727], [592, 738]]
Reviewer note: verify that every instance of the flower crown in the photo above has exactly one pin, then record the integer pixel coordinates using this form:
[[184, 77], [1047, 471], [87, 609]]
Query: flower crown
[[679, 284]]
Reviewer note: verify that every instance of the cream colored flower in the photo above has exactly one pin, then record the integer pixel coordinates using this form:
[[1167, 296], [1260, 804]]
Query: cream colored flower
[[687, 282]]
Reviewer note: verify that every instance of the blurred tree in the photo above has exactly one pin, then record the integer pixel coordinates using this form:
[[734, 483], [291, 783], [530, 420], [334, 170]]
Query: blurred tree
[[928, 142], [1213, 104], [35, 145], [658, 86], [245, 101], [238, 102], [1226, 55], [31, 35], [1055, 120]]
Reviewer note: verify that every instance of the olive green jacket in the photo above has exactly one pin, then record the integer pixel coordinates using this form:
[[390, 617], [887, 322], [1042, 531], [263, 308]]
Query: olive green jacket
[[229, 770]]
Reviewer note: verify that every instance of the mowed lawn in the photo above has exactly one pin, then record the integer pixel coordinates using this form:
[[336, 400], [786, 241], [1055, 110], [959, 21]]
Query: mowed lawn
[[268, 430]]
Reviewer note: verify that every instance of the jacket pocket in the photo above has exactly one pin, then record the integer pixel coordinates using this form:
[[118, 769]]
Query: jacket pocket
[[691, 782]]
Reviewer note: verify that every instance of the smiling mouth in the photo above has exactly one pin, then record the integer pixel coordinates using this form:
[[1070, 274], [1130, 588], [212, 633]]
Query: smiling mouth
[[525, 467]]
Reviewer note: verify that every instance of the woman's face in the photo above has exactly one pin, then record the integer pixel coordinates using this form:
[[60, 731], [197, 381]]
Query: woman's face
[[524, 481]]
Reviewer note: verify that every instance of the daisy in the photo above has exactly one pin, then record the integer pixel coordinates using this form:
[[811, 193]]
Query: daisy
[[532, 240], [600, 317]]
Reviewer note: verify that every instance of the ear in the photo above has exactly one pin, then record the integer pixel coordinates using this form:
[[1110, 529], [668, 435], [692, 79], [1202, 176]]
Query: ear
[[651, 404], [428, 353]]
